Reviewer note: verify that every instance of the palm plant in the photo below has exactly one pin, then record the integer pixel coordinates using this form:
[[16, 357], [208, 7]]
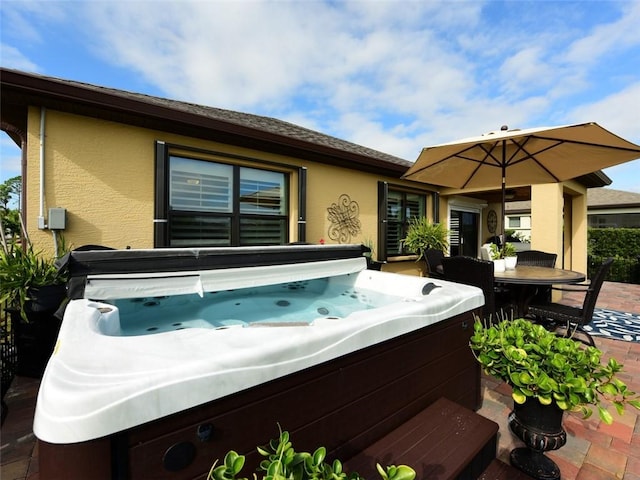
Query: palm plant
[[422, 235], [22, 272]]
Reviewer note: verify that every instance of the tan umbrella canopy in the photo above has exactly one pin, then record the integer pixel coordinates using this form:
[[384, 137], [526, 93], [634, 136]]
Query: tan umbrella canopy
[[521, 157]]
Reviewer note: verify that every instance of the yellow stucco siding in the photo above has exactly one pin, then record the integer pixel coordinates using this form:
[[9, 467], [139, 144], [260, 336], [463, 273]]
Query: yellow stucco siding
[[102, 173], [325, 186]]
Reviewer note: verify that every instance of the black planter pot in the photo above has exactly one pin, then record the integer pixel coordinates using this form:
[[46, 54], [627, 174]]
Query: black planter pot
[[36, 339], [373, 264], [540, 428], [45, 299]]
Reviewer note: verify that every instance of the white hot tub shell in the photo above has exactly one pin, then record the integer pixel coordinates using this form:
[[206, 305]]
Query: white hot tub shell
[[99, 382]]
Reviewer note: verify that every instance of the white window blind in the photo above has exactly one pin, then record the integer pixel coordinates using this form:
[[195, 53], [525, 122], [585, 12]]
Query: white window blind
[[195, 185], [261, 192]]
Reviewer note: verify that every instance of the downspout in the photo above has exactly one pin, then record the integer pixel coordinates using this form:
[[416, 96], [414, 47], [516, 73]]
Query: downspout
[[41, 220]]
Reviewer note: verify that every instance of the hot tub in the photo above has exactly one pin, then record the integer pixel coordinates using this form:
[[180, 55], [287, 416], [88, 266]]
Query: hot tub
[[158, 346]]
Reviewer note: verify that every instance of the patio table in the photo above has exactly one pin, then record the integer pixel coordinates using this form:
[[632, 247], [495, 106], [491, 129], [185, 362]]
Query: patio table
[[527, 279]]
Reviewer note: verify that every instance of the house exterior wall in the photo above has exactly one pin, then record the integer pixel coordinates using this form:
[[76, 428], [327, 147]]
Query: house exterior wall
[[546, 221], [486, 234], [559, 223], [102, 173], [524, 228], [576, 198]]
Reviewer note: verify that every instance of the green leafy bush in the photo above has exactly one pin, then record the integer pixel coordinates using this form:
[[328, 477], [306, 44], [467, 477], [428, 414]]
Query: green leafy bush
[[540, 365], [282, 462], [621, 244], [623, 270], [614, 242]]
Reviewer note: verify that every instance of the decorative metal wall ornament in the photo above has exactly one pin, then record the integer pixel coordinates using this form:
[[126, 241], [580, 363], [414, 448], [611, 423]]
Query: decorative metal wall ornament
[[344, 219]]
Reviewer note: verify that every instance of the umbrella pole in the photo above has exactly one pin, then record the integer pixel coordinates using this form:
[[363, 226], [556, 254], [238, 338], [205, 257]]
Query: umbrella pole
[[504, 189]]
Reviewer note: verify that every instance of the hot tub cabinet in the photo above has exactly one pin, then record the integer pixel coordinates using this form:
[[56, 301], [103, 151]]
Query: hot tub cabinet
[[166, 405]]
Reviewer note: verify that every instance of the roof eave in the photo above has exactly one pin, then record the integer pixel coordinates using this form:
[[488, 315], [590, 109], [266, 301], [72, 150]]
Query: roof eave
[[59, 95], [594, 179]]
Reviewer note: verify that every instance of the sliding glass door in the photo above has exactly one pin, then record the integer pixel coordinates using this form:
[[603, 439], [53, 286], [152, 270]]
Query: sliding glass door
[[463, 232]]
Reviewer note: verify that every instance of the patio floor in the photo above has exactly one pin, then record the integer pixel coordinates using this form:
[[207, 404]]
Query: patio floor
[[594, 451]]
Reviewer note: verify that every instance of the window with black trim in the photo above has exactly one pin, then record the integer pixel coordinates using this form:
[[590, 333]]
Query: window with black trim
[[401, 207], [395, 208], [219, 204]]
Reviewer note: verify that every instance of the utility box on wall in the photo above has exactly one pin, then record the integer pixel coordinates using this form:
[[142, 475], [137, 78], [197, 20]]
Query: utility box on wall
[[57, 218]]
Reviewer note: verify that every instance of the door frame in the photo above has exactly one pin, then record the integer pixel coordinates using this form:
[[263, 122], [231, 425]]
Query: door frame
[[469, 206]]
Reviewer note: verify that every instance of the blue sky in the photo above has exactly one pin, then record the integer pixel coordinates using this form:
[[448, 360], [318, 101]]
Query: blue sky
[[391, 75]]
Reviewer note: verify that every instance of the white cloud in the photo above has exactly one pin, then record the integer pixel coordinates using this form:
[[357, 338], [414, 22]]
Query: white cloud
[[526, 68], [609, 37], [391, 75], [11, 57], [617, 112]]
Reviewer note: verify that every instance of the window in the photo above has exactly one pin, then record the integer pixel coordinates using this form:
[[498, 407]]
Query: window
[[514, 222], [217, 204], [401, 206], [614, 220]]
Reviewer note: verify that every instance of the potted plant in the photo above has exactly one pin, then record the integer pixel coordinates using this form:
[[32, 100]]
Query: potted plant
[[499, 264], [548, 375], [33, 289], [283, 462], [369, 253], [422, 235], [509, 255]]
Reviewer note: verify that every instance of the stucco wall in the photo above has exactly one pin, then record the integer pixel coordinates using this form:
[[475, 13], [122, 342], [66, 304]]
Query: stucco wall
[[103, 174]]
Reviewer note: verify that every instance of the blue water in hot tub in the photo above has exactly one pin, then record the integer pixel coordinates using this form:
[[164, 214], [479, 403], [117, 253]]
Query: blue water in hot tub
[[293, 303]]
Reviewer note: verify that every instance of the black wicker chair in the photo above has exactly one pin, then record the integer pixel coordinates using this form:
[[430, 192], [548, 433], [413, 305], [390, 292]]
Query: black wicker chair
[[537, 258], [479, 273], [434, 257], [573, 319]]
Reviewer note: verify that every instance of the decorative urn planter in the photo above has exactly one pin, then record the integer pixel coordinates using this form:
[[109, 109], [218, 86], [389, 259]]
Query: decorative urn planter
[[540, 428], [549, 375]]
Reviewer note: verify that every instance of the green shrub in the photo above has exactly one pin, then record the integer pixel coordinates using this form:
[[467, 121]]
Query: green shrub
[[614, 242], [621, 244], [282, 462]]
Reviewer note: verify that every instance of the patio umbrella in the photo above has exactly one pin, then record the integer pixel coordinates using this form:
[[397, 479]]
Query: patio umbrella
[[521, 157]]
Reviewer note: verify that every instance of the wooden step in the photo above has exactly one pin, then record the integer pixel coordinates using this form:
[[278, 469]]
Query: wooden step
[[444, 441], [498, 470]]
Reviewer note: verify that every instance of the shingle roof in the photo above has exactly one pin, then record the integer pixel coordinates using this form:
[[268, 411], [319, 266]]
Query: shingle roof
[[283, 132], [600, 197]]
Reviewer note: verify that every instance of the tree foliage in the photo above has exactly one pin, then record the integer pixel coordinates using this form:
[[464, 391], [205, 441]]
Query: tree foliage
[[10, 192]]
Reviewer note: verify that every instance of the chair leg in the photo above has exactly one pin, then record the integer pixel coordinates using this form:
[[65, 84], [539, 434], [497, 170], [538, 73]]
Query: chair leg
[[590, 340], [570, 331]]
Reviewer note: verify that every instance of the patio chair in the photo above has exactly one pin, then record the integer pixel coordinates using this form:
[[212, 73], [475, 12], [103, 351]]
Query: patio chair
[[537, 258], [434, 257], [573, 319], [479, 273]]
